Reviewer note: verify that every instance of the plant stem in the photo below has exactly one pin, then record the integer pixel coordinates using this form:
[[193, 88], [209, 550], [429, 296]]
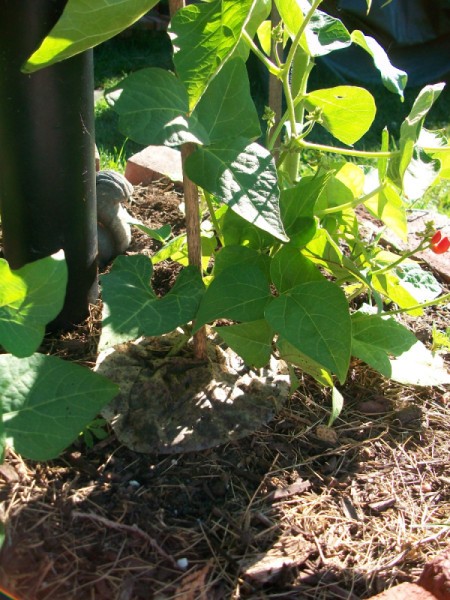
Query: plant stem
[[352, 204], [212, 214], [435, 301], [423, 245], [271, 67], [346, 151]]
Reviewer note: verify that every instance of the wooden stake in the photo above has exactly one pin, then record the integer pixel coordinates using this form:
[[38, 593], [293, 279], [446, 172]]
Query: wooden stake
[[192, 217]]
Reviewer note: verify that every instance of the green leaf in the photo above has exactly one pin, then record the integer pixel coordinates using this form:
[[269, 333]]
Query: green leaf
[[391, 287], [46, 402], [236, 231], [131, 307], [230, 256], [176, 247], [337, 404], [292, 355], [240, 293], [389, 207], [347, 112], [376, 337], [314, 318], [226, 110], [153, 110], [204, 36], [83, 25], [289, 268], [2, 534], [30, 298], [410, 130], [252, 341], [420, 174], [291, 14], [244, 177], [297, 206], [393, 79], [325, 34], [422, 284], [161, 234]]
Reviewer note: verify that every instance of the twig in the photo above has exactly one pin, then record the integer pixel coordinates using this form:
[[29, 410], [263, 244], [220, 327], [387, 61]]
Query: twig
[[126, 528]]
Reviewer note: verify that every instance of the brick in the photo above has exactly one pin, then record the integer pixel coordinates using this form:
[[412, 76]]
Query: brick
[[154, 162]]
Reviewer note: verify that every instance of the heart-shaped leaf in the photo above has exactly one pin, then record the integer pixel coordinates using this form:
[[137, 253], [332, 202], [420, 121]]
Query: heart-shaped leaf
[[153, 110], [240, 293], [131, 307], [30, 298], [346, 111], [314, 318], [244, 177], [46, 402]]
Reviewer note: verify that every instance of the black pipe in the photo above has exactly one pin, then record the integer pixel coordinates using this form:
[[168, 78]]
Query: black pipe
[[47, 162]]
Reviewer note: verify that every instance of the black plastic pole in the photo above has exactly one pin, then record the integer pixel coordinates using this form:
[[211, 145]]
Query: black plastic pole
[[47, 162]]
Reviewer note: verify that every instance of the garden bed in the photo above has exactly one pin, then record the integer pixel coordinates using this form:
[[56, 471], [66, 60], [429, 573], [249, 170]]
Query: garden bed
[[292, 511]]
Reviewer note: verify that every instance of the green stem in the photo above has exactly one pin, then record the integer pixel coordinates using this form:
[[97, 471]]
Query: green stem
[[352, 204], [422, 246], [440, 300], [272, 68], [212, 214], [346, 151], [300, 32]]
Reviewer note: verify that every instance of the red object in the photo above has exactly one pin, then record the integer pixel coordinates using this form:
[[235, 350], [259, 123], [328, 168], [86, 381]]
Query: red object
[[439, 244]]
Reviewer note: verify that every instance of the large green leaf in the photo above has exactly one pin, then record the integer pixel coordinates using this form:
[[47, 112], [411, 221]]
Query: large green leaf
[[244, 177], [46, 402], [30, 298], [346, 111], [85, 24], [314, 318], [375, 338], [289, 268], [252, 341], [394, 79], [226, 110], [204, 36], [153, 109], [240, 293], [131, 307]]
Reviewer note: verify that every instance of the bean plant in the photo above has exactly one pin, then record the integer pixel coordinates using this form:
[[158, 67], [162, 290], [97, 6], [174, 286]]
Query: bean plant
[[283, 259]]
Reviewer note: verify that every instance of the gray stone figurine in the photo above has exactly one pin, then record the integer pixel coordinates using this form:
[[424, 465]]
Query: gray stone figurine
[[114, 231]]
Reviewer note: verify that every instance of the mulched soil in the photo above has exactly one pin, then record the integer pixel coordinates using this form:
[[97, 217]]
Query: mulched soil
[[293, 511]]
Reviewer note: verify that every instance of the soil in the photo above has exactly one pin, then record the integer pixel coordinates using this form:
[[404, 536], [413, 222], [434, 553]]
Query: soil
[[292, 511]]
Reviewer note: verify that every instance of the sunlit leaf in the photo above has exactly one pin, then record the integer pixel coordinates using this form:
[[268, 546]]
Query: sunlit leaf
[[347, 112], [85, 24]]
